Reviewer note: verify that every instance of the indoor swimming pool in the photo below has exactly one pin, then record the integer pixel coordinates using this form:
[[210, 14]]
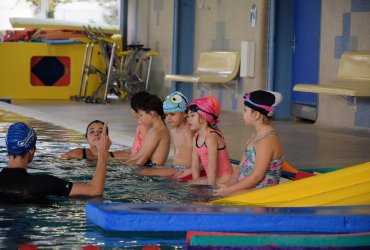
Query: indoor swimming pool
[[60, 222]]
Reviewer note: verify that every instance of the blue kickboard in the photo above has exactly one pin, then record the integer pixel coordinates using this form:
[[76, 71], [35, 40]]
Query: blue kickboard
[[185, 217]]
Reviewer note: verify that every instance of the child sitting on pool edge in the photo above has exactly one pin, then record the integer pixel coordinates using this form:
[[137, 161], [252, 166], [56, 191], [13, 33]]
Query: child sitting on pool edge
[[209, 147], [174, 107], [263, 157], [156, 144], [141, 130]]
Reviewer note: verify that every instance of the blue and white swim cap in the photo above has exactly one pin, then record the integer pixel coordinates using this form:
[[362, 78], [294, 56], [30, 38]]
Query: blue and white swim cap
[[175, 102], [20, 138]]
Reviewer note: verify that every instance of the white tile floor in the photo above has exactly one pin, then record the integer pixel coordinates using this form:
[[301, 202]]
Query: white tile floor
[[306, 145]]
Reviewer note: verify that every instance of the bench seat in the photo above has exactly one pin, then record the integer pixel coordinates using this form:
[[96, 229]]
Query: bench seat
[[199, 78], [213, 67], [337, 88], [353, 78]]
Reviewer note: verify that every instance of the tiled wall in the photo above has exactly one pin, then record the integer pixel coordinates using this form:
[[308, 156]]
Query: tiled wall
[[223, 24], [220, 25], [345, 25], [151, 24]]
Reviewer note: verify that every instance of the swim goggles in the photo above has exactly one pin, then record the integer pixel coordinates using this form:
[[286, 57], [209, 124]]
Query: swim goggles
[[196, 108]]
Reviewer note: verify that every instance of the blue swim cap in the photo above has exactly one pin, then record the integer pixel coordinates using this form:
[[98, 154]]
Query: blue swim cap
[[175, 102], [20, 138]]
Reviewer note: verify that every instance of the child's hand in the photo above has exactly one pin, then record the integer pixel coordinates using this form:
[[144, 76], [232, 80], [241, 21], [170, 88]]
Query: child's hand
[[182, 173], [221, 190], [104, 142], [64, 157]]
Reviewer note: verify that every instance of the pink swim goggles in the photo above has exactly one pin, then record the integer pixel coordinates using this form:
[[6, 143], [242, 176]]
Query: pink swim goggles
[[246, 98]]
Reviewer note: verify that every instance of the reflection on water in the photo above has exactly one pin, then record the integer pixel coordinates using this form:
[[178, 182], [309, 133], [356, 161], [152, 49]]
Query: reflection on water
[[60, 222]]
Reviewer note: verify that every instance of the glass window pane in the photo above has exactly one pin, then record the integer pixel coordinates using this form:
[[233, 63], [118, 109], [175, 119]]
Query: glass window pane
[[104, 12], [99, 12], [14, 8]]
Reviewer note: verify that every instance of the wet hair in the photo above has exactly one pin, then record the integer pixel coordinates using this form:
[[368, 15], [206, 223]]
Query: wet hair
[[95, 121], [152, 103], [137, 98]]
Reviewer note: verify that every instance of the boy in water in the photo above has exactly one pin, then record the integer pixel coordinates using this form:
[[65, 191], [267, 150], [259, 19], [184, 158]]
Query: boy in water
[[156, 143], [174, 107], [140, 130]]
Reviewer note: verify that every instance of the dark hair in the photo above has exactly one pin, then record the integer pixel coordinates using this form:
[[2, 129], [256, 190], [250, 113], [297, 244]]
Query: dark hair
[[152, 103], [95, 121], [137, 98]]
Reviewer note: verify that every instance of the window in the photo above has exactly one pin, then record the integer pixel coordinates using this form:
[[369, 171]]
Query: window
[[99, 12]]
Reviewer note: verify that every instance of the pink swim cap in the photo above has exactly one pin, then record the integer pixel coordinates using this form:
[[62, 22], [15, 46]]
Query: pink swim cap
[[216, 104], [206, 108]]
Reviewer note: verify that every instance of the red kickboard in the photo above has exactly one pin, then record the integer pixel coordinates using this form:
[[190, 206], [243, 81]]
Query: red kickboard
[[302, 175], [190, 177]]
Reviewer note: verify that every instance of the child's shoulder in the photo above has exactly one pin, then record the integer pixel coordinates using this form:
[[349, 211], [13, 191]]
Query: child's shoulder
[[160, 130], [270, 141], [215, 133], [77, 150], [75, 153], [182, 129], [183, 132]]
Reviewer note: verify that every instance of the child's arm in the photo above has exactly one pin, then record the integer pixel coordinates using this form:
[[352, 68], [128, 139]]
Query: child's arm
[[72, 154], [197, 180], [182, 173], [121, 154], [96, 186], [234, 177], [151, 142], [211, 143], [195, 163], [264, 155]]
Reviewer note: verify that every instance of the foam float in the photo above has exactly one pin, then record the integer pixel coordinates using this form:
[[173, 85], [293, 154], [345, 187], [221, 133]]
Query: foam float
[[273, 247], [307, 240], [344, 187], [185, 217]]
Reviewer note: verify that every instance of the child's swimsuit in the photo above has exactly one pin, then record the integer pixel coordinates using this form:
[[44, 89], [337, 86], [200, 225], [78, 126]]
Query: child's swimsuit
[[150, 164], [190, 176], [272, 176], [138, 141], [223, 164], [179, 167]]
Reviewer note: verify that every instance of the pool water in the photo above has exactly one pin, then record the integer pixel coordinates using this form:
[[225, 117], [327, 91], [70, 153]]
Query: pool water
[[60, 222]]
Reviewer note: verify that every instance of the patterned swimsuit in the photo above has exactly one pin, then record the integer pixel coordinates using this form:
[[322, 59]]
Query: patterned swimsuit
[[272, 176]]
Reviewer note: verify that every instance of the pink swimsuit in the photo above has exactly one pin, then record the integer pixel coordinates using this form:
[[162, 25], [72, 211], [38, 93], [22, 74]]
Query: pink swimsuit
[[138, 141], [223, 163]]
